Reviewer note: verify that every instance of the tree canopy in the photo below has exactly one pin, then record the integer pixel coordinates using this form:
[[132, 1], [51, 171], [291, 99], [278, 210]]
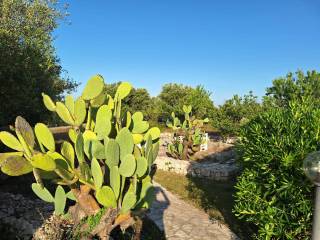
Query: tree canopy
[[294, 87], [236, 112], [28, 62], [173, 96]]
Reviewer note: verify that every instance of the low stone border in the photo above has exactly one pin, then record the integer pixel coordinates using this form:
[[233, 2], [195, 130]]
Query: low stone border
[[219, 166], [212, 170]]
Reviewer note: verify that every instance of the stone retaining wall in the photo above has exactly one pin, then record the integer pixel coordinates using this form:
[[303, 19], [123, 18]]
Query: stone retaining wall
[[212, 170], [219, 164]]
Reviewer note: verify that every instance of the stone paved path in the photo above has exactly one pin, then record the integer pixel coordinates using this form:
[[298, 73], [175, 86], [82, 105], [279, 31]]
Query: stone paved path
[[181, 221]]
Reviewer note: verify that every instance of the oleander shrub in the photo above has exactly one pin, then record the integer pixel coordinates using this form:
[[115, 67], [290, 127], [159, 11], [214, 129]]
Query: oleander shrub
[[272, 192]]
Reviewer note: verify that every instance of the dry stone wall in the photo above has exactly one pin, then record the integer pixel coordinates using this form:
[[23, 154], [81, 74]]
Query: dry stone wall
[[218, 163]]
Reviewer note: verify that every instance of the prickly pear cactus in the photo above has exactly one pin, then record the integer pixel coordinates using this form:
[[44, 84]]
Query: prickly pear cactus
[[188, 135], [107, 163]]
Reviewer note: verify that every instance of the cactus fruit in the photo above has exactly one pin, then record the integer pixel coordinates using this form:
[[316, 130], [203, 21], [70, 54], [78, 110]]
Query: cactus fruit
[[106, 163]]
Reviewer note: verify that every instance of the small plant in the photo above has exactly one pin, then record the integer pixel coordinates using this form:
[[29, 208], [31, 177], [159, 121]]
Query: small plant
[[107, 164], [187, 136]]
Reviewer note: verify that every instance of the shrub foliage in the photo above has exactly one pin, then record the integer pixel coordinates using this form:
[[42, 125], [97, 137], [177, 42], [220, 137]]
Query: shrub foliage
[[234, 113], [273, 192]]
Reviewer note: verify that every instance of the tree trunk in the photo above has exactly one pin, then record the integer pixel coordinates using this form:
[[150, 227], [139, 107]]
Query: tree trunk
[[87, 206]]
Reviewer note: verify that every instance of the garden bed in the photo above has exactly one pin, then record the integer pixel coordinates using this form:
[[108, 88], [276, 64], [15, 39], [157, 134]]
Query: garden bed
[[217, 163]]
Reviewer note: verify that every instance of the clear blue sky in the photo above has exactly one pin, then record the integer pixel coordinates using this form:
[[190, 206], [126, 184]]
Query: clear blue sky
[[228, 46]]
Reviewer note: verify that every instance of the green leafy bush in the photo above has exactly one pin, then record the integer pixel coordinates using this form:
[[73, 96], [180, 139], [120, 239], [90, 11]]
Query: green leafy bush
[[173, 96], [234, 113], [273, 192], [28, 61], [191, 134], [294, 87], [107, 162]]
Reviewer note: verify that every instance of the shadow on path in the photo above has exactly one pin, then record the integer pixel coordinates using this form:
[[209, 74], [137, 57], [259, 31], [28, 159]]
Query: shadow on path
[[159, 206]]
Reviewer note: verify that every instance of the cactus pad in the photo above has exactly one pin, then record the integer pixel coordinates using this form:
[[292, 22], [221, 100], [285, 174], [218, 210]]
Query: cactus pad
[[45, 136], [16, 166], [93, 88]]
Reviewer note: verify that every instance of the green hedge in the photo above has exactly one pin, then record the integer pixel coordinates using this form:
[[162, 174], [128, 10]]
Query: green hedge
[[273, 192]]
